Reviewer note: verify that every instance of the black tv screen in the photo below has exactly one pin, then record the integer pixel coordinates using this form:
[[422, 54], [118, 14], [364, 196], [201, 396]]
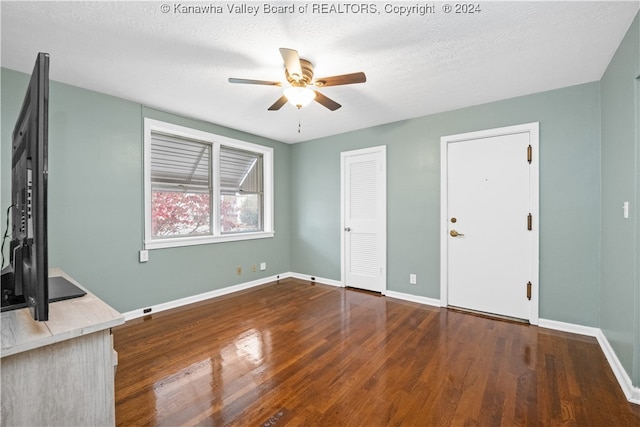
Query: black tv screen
[[28, 249], [26, 281]]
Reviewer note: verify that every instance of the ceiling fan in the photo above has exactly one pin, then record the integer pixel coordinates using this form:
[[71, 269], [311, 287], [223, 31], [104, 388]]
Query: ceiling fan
[[299, 75]]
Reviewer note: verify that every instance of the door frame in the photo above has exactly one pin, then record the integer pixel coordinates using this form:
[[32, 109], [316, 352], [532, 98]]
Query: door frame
[[534, 188], [382, 149]]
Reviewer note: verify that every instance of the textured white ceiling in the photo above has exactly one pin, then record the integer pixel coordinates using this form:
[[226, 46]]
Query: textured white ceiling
[[415, 65]]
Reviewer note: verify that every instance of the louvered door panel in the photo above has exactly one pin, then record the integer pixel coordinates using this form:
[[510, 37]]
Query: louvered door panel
[[364, 260], [362, 190]]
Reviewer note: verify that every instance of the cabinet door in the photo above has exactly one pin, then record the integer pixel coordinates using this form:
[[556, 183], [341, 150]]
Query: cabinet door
[[67, 383]]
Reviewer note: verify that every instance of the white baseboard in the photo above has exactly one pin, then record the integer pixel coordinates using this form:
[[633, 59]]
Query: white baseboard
[[569, 327], [317, 279], [631, 392], [134, 314], [413, 298], [130, 315]]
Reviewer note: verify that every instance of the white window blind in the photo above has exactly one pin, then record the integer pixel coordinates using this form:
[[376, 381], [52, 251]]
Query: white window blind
[[177, 161], [240, 171]]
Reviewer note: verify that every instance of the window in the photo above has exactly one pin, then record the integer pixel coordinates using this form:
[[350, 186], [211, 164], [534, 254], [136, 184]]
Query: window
[[180, 186], [204, 188], [241, 190]]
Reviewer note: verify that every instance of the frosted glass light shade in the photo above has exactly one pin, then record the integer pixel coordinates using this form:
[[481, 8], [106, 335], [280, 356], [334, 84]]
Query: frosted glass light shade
[[299, 96]]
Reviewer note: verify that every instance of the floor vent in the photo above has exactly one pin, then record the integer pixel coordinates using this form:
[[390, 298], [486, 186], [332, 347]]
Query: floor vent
[[276, 418]]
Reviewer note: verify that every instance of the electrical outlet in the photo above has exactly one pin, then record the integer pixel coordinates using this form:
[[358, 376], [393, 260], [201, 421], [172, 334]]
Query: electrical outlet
[[254, 268], [412, 279], [144, 255], [238, 271], [263, 266]]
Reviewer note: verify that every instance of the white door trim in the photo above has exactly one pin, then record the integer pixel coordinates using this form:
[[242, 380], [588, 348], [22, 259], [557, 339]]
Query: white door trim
[[383, 215], [533, 130]]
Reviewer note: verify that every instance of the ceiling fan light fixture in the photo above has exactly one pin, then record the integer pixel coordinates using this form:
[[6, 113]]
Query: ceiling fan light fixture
[[299, 96]]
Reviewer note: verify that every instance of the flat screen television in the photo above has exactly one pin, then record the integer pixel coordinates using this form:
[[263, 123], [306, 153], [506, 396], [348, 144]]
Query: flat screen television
[[25, 281]]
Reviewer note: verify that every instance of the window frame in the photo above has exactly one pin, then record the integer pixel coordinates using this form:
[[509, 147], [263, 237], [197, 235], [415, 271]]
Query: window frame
[[216, 141]]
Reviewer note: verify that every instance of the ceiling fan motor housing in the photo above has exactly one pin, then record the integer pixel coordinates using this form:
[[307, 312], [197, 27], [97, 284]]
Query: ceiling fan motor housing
[[307, 74]]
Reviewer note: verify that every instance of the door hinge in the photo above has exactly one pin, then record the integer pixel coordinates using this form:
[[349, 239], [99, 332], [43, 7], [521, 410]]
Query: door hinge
[[529, 291], [529, 153], [529, 222]]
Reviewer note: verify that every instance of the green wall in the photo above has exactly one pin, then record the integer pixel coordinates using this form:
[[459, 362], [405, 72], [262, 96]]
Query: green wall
[[96, 204], [569, 197], [620, 282]]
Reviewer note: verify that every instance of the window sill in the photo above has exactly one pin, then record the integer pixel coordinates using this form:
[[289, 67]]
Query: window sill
[[204, 240]]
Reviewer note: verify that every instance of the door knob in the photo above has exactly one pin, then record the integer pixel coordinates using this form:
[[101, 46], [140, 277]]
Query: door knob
[[347, 229], [454, 233]]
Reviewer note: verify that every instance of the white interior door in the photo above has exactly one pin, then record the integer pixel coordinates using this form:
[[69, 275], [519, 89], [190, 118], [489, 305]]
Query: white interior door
[[489, 239], [364, 219]]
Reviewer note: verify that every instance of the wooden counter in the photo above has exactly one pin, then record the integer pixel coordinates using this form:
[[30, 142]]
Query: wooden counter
[[59, 372]]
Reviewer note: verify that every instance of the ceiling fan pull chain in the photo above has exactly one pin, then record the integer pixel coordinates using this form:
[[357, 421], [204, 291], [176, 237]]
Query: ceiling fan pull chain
[[299, 120]]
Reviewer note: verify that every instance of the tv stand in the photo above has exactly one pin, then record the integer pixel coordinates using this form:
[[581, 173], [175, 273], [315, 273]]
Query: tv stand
[[59, 372]]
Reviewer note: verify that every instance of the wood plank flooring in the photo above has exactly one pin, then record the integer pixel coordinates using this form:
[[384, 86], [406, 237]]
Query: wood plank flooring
[[299, 354]]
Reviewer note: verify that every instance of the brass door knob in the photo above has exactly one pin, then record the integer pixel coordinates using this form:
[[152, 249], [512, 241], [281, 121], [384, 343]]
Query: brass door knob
[[454, 233]]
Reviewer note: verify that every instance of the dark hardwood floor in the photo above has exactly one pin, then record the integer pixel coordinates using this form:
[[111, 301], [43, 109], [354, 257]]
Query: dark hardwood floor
[[292, 353]]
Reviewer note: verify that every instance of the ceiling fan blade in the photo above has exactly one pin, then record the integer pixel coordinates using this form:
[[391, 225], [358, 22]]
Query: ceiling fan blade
[[343, 79], [254, 82], [327, 102], [278, 104], [292, 62]]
